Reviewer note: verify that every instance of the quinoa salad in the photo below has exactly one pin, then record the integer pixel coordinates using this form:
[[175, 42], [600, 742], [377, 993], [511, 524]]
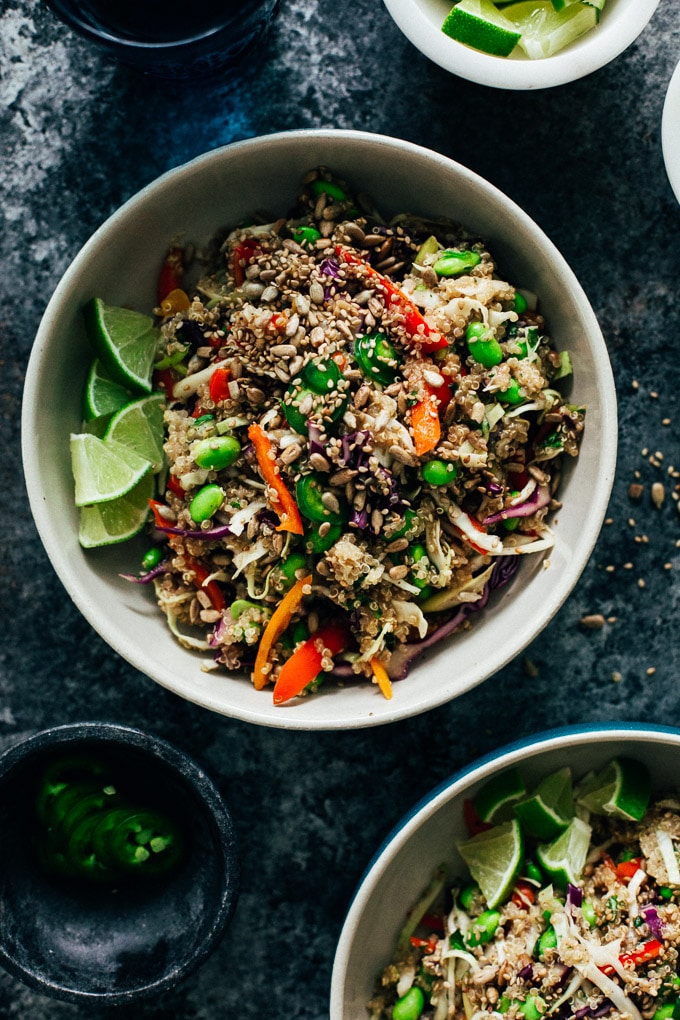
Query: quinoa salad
[[365, 429], [592, 934]]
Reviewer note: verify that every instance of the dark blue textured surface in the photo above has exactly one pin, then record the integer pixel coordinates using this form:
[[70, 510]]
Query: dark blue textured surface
[[79, 135]]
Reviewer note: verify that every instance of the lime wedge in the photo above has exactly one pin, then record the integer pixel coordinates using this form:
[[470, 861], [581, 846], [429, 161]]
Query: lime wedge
[[494, 858], [125, 342], [118, 519], [139, 426], [548, 811], [102, 395], [563, 859], [103, 470], [500, 792], [544, 31], [479, 24], [622, 789]]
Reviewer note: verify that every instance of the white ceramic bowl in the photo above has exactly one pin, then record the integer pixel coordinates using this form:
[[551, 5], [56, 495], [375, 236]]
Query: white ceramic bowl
[[670, 132], [426, 837], [120, 263], [621, 23]]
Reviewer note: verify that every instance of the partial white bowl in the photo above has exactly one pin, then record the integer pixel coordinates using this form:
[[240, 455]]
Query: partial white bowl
[[670, 132], [621, 23], [120, 262], [426, 837]]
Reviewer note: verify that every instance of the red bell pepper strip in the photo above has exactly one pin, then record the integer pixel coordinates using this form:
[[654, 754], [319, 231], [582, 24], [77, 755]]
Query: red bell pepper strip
[[523, 895], [218, 387], [158, 517], [428, 338], [284, 505], [243, 254], [648, 951], [304, 665], [626, 869], [165, 378], [175, 486], [278, 622], [472, 820], [425, 423], [171, 273], [212, 588], [428, 944]]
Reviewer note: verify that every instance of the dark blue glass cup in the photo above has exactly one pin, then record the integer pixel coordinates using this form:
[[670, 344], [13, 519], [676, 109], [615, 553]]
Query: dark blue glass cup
[[191, 39]]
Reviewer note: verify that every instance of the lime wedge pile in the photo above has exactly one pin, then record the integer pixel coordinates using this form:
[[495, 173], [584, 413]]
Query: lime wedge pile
[[530, 28], [549, 822], [121, 447]]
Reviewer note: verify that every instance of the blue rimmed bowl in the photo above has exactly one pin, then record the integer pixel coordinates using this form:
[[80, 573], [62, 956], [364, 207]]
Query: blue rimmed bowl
[[427, 836]]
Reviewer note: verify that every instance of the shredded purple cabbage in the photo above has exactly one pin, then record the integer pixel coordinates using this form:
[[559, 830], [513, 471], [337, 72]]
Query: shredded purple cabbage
[[330, 267], [574, 895], [539, 498], [526, 973], [160, 568], [601, 1009], [654, 922], [211, 535]]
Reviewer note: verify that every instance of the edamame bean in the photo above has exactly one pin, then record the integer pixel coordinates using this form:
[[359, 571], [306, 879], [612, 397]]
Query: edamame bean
[[152, 558], [548, 940], [217, 452], [533, 1007], [467, 895], [296, 561], [664, 1012], [239, 606], [513, 394], [482, 345], [483, 928], [306, 236], [588, 911], [438, 472], [410, 1005], [329, 188], [455, 263], [206, 502], [665, 893], [520, 303]]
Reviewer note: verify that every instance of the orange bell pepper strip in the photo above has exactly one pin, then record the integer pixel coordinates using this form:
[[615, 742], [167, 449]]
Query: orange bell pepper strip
[[212, 588], [425, 423], [284, 505], [304, 665], [381, 678], [176, 300], [428, 338], [278, 622]]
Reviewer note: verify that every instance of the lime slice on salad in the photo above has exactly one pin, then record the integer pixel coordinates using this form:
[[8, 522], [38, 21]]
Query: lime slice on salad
[[139, 426], [125, 342], [103, 470], [118, 519], [479, 24], [548, 811], [500, 792], [102, 395], [563, 859], [544, 31], [622, 788], [494, 858]]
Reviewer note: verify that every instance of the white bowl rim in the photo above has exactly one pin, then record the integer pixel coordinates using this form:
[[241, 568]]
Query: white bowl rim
[[295, 717], [670, 132], [587, 54], [480, 768]]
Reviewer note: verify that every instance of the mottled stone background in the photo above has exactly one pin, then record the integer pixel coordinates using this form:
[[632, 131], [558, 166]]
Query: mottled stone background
[[78, 136]]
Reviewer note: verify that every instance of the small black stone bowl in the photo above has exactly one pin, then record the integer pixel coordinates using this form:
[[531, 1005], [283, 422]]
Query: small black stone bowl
[[113, 944]]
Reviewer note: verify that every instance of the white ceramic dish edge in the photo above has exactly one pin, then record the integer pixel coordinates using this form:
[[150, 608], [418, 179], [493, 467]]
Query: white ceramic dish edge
[[46, 456], [421, 22], [345, 993], [670, 132]]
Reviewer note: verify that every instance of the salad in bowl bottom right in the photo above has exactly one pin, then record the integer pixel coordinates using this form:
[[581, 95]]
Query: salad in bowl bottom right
[[544, 881]]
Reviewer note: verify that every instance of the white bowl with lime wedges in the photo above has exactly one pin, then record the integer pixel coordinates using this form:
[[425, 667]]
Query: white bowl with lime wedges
[[521, 44], [92, 441], [505, 854]]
